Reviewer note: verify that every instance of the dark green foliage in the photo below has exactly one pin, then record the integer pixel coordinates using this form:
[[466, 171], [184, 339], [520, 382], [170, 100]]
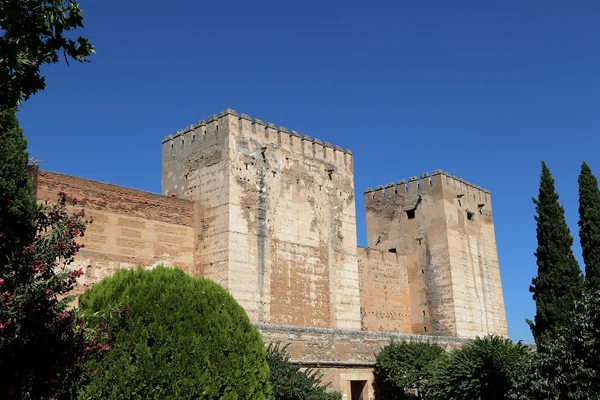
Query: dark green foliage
[[185, 338], [17, 202], [35, 32], [290, 383], [40, 336], [567, 367], [402, 368], [559, 281], [589, 225], [483, 369]]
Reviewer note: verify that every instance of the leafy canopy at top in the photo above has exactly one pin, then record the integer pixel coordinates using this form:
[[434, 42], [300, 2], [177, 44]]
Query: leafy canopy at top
[[35, 32]]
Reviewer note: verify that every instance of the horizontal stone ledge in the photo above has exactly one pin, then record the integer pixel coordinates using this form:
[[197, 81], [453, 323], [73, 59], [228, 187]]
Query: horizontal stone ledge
[[334, 364], [266, 328]]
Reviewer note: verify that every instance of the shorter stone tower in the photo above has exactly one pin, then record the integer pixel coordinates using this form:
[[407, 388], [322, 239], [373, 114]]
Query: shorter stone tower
[[443, 227]]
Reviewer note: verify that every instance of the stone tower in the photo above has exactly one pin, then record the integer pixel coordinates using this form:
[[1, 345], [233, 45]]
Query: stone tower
[[277, 219], [443, 227]]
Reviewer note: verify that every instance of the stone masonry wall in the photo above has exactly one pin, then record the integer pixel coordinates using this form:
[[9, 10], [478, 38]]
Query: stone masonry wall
[[444, 227], [290, 230], [342, 355], [195, 166], [477, 287], [384, 291], [130, 227]]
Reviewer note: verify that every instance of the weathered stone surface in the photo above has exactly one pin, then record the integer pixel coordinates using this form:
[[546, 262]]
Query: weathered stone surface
[[443, 227], [343, 355], [287, 240], [270, 216]]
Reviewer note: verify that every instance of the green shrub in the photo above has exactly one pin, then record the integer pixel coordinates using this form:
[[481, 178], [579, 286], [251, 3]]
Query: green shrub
[[568, 365], [290, 383], [482, 369], [185, 338], [401, 369]]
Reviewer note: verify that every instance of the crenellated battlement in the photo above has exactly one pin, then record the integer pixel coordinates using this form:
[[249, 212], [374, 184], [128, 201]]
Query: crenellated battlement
[[427, 184], [229, 122]]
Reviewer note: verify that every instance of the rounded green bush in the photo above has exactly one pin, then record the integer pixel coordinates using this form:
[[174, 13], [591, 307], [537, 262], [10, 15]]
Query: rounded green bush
[[183, 338]]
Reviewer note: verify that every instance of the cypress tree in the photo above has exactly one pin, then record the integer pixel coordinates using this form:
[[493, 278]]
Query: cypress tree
[[559, 281], [17, 202], [589, 225]]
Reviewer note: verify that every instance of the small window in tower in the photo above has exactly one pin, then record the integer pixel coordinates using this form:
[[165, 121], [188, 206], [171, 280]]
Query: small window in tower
[[422, 272], [182, 142], [469, 215], [410, 214], [423, 312], [392, 250], [425, 329]]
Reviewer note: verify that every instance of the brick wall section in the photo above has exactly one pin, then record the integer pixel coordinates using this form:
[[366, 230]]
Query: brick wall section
[[384, 291], [130, 227]]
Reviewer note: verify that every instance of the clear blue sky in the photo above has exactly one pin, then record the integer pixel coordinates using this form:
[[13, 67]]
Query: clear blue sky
[[484, 90]]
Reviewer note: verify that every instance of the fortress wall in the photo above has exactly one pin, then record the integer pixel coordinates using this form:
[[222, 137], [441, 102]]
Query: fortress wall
[[342, 355], [406, 217], [384, 291], [195, 166], [450, 247], [477, 287], [293, 226], [130, 227]]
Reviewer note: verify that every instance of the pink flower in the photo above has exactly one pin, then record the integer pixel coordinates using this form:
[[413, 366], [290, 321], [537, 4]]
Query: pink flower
[[1, 281]]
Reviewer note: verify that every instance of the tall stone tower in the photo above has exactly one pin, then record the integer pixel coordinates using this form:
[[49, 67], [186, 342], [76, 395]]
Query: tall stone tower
[[443, 227], [277, 219]]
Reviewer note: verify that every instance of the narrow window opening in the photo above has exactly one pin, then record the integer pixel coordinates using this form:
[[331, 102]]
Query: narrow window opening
[[246, 167], [392, 250], [424, 329], [422, 272], [297, 181], [423, 312], [469, 215], [262, 152], [410, 214], [217, 127], [194, 137], [273, 174], [171, 146], [182, 142], [320, 188], [459, 203]]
